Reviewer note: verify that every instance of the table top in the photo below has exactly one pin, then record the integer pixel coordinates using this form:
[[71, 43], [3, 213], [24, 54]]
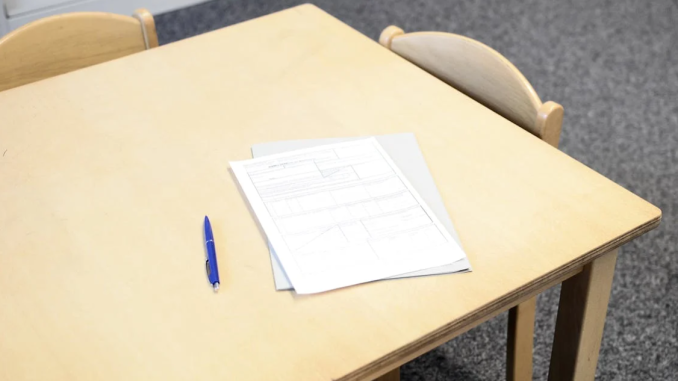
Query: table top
[[106, 174]]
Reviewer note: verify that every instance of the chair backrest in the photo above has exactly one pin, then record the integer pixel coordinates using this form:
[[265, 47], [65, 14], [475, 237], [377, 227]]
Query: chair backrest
[[59, 44], [481, 73]]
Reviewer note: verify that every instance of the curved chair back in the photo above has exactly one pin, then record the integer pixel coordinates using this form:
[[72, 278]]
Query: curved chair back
[[480, 72], [59, 44]]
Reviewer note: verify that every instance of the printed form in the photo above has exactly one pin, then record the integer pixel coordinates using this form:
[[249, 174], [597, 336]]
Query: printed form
[[343, 214]]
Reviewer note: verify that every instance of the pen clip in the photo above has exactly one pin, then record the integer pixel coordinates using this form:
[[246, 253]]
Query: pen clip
[[207, 267]]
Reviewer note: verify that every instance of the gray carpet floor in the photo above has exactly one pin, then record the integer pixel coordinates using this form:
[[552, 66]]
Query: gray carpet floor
[[613, 65]]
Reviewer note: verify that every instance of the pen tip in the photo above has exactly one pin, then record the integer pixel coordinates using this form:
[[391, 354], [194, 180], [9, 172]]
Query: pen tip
[[216, 286]]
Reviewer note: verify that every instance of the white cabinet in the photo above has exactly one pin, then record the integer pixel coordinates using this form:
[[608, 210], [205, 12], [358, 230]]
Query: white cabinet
[[15, 13]]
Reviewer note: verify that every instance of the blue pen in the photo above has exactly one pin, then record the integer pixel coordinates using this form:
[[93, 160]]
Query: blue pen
[[211, 264]]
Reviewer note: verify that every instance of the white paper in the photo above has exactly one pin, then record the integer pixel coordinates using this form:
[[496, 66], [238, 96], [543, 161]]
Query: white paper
[[405, 153], [343, 214]]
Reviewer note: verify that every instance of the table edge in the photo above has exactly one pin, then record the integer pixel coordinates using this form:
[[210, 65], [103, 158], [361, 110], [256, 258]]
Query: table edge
[[452, 330]]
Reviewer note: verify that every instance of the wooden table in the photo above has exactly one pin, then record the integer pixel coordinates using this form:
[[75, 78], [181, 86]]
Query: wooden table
[[106, 174]]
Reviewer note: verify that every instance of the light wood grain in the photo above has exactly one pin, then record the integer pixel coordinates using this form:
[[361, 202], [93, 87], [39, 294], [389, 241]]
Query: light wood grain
[[393, 375], [470, 324], [63, 43], [520, 341], [487, 76], [481, 73], [581, 319], [104, 188], [475, 69], [388, 34], [549, 122], [148, 30], [520, 334]]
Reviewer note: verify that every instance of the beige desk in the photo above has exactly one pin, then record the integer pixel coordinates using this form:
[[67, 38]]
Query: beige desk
[[106, 174]]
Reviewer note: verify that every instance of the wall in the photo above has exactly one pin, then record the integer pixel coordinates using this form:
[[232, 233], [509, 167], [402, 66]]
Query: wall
[[16, 13]]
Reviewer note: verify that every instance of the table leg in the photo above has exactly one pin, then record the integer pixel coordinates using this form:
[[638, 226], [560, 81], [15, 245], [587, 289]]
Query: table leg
[[393, 375], [520, 341], [580, 322]]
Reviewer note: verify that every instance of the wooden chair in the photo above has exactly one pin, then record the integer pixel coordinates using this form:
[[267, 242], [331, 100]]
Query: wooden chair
[[63, 43], [488, 77]]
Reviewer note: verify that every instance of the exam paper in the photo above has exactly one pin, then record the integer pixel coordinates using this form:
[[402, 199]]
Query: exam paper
[[343, 214], [404, 150]]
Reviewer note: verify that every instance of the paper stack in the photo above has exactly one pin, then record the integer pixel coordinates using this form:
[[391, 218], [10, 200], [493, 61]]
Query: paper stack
[[339, 212]]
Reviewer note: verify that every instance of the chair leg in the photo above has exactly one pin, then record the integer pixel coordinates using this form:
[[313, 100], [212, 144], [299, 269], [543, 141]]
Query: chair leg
[[581, 319], [520, 341], [393, 375]]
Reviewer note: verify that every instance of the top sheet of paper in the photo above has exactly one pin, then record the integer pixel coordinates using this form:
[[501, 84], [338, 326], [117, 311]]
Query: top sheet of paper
[[404, 150], [343, 214]]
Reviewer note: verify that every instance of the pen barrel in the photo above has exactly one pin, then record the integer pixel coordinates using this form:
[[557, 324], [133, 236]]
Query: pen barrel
[[213, 274]]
